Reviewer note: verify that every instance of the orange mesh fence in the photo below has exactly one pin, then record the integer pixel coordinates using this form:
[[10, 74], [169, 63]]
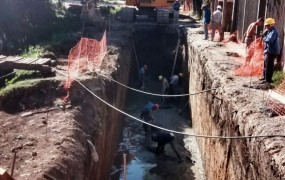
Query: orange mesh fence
[[276, 107], [253, 65], [87, 55]]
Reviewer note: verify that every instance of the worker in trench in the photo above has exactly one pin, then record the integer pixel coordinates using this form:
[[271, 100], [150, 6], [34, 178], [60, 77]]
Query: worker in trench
[[146, 115], [142, 72], [163, 138], [175, 81], [165, 86]]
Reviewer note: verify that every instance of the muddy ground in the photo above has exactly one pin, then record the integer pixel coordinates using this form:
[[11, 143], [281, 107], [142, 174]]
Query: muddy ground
[[143, 163]]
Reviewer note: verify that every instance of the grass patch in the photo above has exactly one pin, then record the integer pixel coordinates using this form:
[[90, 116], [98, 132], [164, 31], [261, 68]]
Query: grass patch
[[23, 75], [33, 52], [22, 85], [278, 77]]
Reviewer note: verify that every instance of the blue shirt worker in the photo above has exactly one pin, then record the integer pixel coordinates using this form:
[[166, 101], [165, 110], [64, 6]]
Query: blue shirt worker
[[142, 72], [271, 49], [206, 19], [174, 81], [176, 8], [163, 138], [146, 114]]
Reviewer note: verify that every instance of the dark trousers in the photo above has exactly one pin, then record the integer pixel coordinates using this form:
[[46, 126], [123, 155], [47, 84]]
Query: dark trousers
[[268, 67]]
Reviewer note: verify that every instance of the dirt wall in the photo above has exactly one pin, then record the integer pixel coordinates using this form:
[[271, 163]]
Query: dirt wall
[[231, 110], [52, 140], [97, 122]]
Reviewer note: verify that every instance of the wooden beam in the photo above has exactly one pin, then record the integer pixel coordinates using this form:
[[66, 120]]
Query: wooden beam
[[9, 65], [277, 96]]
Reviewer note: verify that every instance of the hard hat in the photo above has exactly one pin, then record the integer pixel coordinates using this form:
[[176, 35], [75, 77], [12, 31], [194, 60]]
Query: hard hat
[[181, 74], [219, 7], [160, 77], [269, 21], [155, 107], [171, 134]]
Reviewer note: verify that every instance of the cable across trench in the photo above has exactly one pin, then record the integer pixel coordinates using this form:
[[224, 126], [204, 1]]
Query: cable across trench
[[165, 129]]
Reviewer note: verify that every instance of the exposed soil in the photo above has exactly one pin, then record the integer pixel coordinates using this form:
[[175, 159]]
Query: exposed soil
[[50, 138]]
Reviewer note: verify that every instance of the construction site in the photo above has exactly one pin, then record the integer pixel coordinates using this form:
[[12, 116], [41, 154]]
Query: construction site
[[77, 76]]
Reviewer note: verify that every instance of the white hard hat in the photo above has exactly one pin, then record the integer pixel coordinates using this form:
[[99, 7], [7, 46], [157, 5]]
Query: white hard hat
[[219, 7]]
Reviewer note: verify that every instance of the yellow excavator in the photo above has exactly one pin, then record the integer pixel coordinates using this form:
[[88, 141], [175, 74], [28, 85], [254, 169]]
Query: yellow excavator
[[148, 10]]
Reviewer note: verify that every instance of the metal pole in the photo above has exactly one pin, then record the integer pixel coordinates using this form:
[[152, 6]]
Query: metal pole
[[125, 164], [136, 56], [176, 52], [245, 2], [13, 164]]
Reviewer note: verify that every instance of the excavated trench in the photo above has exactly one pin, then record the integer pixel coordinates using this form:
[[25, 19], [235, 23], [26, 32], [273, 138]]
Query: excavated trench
[[56, 142]]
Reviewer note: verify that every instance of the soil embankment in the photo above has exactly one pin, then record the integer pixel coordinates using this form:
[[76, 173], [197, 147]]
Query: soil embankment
[[53, 144], [231, 110]]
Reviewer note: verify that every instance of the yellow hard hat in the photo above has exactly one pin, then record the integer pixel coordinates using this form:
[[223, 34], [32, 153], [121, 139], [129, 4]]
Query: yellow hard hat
[[160, 77], [269, 21], [181, 74]]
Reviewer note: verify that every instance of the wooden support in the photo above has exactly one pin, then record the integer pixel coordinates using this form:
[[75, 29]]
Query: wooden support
[[9, 65]]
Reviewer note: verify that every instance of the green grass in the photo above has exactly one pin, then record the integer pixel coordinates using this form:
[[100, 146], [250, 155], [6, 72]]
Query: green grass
[[18, 85], [278, 77], [33, 52], [22, 75]]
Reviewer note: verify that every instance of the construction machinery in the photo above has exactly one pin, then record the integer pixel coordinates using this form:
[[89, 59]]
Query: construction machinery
[[148, 10]]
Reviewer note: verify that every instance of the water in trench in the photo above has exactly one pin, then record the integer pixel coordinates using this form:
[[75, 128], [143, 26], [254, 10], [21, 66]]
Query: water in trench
[[142, 162]]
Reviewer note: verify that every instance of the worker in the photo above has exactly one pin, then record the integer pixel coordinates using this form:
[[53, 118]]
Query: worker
[[142, 72], [165, 86], [206, 18], [176, 8], [163, 138], [251, 32], [174, 82], [146, 113], [217, 22], [271, 49]]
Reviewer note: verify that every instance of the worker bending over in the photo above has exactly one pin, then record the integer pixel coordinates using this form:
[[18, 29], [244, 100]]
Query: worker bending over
[[251, 32], [174, 82], [163, 138]]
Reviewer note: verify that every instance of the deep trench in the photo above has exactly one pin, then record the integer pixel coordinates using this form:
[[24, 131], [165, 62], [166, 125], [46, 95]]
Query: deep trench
[[155, 47]]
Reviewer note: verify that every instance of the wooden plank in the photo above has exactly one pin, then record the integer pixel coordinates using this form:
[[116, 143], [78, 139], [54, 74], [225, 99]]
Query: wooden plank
[[42, 61], [277, 96], [27, 60], [12, 65], [13, 58]]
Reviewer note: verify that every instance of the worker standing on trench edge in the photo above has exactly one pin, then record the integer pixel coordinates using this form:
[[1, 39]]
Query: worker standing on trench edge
[[271, 49], [163, 138], [206, 18], [251, 32], [142, 72], [146, 114], [176, 8], [217, 18]]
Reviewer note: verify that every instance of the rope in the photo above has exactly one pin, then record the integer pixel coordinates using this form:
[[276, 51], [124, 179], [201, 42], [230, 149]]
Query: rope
[[169, 130], [154, 94], [8, 74]]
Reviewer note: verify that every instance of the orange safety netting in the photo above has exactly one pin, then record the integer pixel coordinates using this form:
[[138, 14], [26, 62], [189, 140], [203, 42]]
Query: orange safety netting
[[254, 61], [277, 108], [87, 55]]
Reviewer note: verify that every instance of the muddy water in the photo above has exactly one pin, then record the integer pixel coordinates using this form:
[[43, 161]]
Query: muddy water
[[142, 162]]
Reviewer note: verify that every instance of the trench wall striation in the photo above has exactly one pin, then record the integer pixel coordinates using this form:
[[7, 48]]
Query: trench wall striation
[[231, 110]]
